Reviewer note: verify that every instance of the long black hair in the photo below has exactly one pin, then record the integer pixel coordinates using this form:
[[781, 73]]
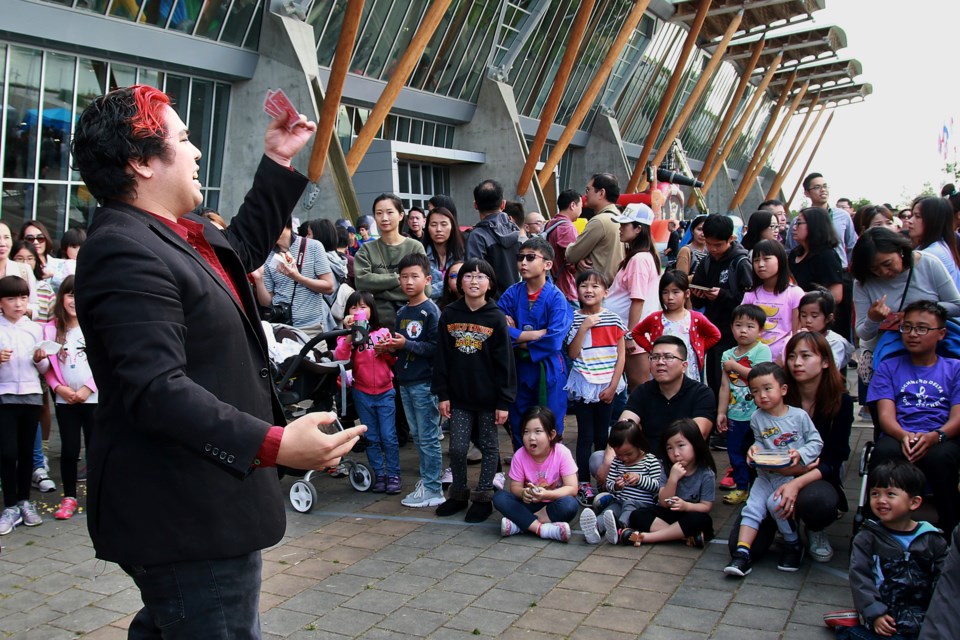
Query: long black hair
[[775, 249], [821, 234], [687, 428]]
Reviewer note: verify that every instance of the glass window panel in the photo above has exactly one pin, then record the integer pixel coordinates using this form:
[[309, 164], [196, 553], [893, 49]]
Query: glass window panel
[[221, 107], [396, 32], [210, 18], [178, 88], [343, 128], [326, 18], [17, 204], [415, 179], [51, 207], [122, 75], [126, 9], [371, 26], [242, 12], [82, 206], [438, 186], [416, 131], [57, 116], [91, 82], [20, 137], [403, 129], [427, 186], [200, 122], [403, 173], [429, 133], [149, 77], [252, 39], [212, 199]]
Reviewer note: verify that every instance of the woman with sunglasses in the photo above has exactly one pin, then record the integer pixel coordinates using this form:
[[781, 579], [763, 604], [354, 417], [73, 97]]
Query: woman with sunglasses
[[35, 232]]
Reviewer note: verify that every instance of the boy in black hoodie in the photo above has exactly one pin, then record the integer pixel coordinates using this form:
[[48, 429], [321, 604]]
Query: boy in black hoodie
[[475, 379], [726, 273]]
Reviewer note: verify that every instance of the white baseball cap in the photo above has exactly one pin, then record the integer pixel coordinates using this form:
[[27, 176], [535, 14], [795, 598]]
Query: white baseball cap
[[638, 213]]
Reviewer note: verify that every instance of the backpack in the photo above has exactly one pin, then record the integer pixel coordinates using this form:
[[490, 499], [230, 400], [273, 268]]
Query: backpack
[[707, 261], [552, 226]]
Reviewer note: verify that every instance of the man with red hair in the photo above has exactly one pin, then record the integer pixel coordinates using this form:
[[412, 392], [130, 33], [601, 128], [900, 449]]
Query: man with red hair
[[183, 490]]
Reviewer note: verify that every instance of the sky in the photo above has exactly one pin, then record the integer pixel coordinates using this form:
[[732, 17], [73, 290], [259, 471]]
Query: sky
[[885, 148]]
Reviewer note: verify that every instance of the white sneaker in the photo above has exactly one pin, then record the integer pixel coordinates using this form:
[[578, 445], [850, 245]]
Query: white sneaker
[[9, 519], [447, 476], [588, 525], [508, 528], [499, 480], [610, 527], [42, 481], [420, 497], [819, 546]]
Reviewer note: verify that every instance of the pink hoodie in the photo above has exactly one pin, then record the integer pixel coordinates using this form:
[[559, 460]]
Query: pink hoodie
[[372, 373]]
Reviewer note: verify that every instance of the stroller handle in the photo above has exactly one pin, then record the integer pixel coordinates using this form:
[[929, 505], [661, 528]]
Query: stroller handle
[[359, 336]]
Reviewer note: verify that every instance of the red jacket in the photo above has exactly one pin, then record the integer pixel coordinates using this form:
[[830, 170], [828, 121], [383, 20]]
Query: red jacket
[[703, 333], [372, 372]]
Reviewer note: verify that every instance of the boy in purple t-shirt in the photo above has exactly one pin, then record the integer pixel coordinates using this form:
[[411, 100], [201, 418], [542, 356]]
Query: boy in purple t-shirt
[[917, 397]]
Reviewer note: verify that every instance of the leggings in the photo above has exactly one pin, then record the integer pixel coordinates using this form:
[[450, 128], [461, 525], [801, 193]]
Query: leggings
[[593, 425], [691, 522], [462, 423], [73, 419], [18, 428]]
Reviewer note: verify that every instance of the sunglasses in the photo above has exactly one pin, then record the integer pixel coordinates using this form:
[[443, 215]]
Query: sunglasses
[[35, 238], [527, 257]]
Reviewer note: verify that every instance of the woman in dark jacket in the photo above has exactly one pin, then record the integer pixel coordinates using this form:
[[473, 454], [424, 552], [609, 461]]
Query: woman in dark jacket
[[814, 261]]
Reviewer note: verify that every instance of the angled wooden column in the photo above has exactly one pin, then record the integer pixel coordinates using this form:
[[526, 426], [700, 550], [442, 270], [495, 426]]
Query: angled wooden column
[[792, 160], [549, 112], [813, 154], [768, 129], [593, 89], [702, 82], [747, 182], [399, 77], [668, 95], [774, 186], [734, 103], [748, 113], [331, 98]]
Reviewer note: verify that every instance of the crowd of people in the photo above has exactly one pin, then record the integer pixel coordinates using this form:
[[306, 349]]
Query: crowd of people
[[741, 344]]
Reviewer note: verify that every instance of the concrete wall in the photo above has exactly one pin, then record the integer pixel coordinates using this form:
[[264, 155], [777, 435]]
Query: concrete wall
[[604, 153], [376, 174]]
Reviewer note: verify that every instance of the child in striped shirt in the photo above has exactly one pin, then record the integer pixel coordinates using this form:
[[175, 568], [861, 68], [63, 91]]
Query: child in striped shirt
[[633, 482], [596, 346]]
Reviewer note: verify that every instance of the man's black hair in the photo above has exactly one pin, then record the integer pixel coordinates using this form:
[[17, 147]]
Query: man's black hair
[[810, 178], [566, 198], [488, 195], [768, 205], [927, 306], [673, 341], [609, 183]]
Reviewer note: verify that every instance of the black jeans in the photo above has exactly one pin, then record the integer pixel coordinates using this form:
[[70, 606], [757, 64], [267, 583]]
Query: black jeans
[[210, 599], [593, 427], [73, 420], [18, 430]]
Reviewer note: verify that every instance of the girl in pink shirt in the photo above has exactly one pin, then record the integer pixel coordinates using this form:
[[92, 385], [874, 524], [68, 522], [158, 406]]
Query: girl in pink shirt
[[774, 292], [543, 482]]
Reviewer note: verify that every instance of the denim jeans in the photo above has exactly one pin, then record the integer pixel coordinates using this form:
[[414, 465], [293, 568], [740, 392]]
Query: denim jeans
[[378, 412], [523, 515], [739, 440], [38, 450], [210, 599], [423, 416]]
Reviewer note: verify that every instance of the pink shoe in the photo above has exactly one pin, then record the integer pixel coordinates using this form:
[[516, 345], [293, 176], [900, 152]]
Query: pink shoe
[[727, 482], [68, 506]]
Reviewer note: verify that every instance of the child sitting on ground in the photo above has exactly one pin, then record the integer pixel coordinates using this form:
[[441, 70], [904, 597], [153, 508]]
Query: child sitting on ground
[[780, 428], [632, 480], [895, 563], [543, 482]]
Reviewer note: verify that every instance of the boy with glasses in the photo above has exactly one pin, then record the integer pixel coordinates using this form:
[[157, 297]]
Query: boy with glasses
[[539, 318], [917, 396]]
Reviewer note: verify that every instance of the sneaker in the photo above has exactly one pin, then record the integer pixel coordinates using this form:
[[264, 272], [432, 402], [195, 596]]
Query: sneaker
[[499, 480], [446, 478], [379, 485], [739, 565], [420, 497], [555, 531], [588, 525], [585, 494], [727, 482], [478, 512], [508, 528], [819, 546], [474, 455], [737, 496], [339, 471], [602, 501], [791, 556], [68, 507], [841, 618], [42, 481], [9, 519], [451, 507], [718, 441], [610, 526], [28, 513], [393, 485]]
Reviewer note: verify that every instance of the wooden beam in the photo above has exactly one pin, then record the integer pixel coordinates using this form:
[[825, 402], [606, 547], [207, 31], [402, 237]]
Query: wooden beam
[[774, 186], [745, 184], [549, 111], [331, 98], [667, 99], [768, 129], [431, 20], [813, 154], [739, 126], [788, 164], [702, 82], [593, 89], [732, 108]]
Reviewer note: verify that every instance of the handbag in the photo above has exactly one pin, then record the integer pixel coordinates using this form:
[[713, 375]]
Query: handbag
[[282, 312], [888, 340]]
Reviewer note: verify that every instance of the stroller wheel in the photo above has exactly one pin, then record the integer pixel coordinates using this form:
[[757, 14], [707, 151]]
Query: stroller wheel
[[303, 496], [360, 477]]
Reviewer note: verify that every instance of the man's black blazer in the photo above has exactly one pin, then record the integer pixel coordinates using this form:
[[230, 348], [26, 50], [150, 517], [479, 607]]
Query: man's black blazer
[[184, 385]]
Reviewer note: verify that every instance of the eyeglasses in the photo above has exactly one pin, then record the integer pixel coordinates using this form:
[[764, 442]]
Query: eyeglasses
[[819, 187], [35, 238], [920, 330], [775, 225], [665, 357], [799, 223], [475, 277], [527, 257], [905, 216]]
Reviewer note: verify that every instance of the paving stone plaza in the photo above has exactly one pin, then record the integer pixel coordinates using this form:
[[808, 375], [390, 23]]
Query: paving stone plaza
[[360, 565]]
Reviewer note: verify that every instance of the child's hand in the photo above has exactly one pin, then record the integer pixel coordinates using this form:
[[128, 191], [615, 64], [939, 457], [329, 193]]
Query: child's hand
[[500, 416], [618, 483], [677, 471], [80, 395], [348, 321], [677, 504], [608, 394], [727, 366], [398, 341], [445, 409], [511, 323], [39, 355], [794, 457], [631, 479], [885, 625], [750, 453], [722, 424], [5, 355], [590, 321], [65, 392]]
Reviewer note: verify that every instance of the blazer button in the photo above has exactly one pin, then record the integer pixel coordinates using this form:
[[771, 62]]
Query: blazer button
[[230, 459], [223, 455], [215, 451], [264, 372], [206, 447]]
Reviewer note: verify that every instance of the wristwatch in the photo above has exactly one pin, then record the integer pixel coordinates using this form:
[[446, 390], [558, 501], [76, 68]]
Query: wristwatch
[[940, 435]]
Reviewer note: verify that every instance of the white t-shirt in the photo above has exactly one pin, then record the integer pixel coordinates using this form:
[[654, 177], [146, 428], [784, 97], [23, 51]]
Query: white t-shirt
[[74, 364]]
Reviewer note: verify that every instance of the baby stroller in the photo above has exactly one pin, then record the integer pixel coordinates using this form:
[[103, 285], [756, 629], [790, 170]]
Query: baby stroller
[[311, 375]]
